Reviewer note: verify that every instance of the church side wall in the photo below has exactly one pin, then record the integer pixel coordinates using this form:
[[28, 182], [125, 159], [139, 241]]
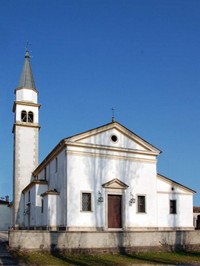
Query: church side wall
[[56, 172], [39, 209], [184, 206], [183, 217], [54, 209]]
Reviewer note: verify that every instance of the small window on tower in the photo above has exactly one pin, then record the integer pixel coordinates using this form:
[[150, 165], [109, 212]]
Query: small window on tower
[[30, 117], [42, 205], [45, 173], [23, 116], [56, 165]]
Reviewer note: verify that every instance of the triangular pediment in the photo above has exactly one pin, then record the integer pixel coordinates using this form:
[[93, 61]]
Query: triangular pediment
[[113, 135], [172, 185], [115, 184], [109, 139]]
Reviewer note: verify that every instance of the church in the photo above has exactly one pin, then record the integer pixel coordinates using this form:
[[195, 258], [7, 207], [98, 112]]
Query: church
[[104, 179]]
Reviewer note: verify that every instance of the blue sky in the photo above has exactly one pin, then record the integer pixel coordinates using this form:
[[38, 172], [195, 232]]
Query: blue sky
[[140, 56]]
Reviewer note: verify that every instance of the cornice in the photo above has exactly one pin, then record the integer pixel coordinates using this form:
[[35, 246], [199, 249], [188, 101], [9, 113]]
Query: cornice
[[109, 148], [25, 104], [66, 143], [33, 183], [174, 183], [23, 88], [115, 184], [50, 156], [114, 156], [50, 192], [25, 124], [173, 193]]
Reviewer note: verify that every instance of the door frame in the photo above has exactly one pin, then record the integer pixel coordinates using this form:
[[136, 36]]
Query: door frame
[[113, 199], [119, 192]]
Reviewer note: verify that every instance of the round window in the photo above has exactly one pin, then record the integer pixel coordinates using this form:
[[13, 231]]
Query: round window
[[114, 138]]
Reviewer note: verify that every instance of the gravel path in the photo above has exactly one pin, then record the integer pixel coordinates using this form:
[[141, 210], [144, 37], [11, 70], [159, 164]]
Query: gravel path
[[5, 257]]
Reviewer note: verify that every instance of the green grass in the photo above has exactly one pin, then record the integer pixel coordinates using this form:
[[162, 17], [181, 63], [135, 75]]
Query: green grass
[[42, 258]]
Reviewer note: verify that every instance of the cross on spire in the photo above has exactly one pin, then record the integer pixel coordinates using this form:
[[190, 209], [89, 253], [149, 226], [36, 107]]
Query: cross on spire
[[27, 46], [113, 114]]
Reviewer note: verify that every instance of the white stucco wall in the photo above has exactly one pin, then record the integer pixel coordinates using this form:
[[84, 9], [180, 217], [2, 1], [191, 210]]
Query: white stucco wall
[[105, 139], [27, 95], [28, 108], [87, 173], [85, 168], [57, 180], [184, 199], [5, 214], [39, 215], [34, 216], [53, 205], [25, 160]]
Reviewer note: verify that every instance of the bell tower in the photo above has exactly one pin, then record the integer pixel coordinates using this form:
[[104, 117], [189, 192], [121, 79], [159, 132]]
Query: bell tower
[[25, 131]]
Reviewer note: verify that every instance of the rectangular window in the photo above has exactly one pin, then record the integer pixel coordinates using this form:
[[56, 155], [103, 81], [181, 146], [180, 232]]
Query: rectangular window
[[172, 206], [29, 196], [56, 165], [141, 204], [42, 205], [45, 173], [86, 202]]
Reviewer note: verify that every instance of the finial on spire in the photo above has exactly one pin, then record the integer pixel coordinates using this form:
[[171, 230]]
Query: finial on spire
[[113, 114], [27, 55]]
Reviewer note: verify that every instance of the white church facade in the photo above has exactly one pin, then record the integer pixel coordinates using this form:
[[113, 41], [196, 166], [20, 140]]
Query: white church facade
[[104, 179]]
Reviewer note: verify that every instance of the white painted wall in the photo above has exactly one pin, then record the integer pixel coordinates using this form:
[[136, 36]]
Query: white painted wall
[[52, 210], [184, 198], [56, 180], [105, 139], [88, 173], [27, 95], [5, 214], [28, 108], [34, 205], [25, 150], [39, 215], [26, 159], [86, 169]]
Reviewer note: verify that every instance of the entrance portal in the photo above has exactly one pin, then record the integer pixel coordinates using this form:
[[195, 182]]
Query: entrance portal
[[114, 211]]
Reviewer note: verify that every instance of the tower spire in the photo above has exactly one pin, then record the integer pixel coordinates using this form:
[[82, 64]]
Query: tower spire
[[26, 78]]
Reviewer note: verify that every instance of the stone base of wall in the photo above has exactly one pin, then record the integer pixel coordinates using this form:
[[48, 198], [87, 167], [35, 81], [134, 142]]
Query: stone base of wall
[[98, 242]]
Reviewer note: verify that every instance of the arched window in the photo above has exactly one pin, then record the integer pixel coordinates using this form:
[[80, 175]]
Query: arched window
[[23, 116], [30, 117]]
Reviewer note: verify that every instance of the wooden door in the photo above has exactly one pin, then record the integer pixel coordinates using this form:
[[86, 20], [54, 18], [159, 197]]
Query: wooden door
[[114, 211]]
